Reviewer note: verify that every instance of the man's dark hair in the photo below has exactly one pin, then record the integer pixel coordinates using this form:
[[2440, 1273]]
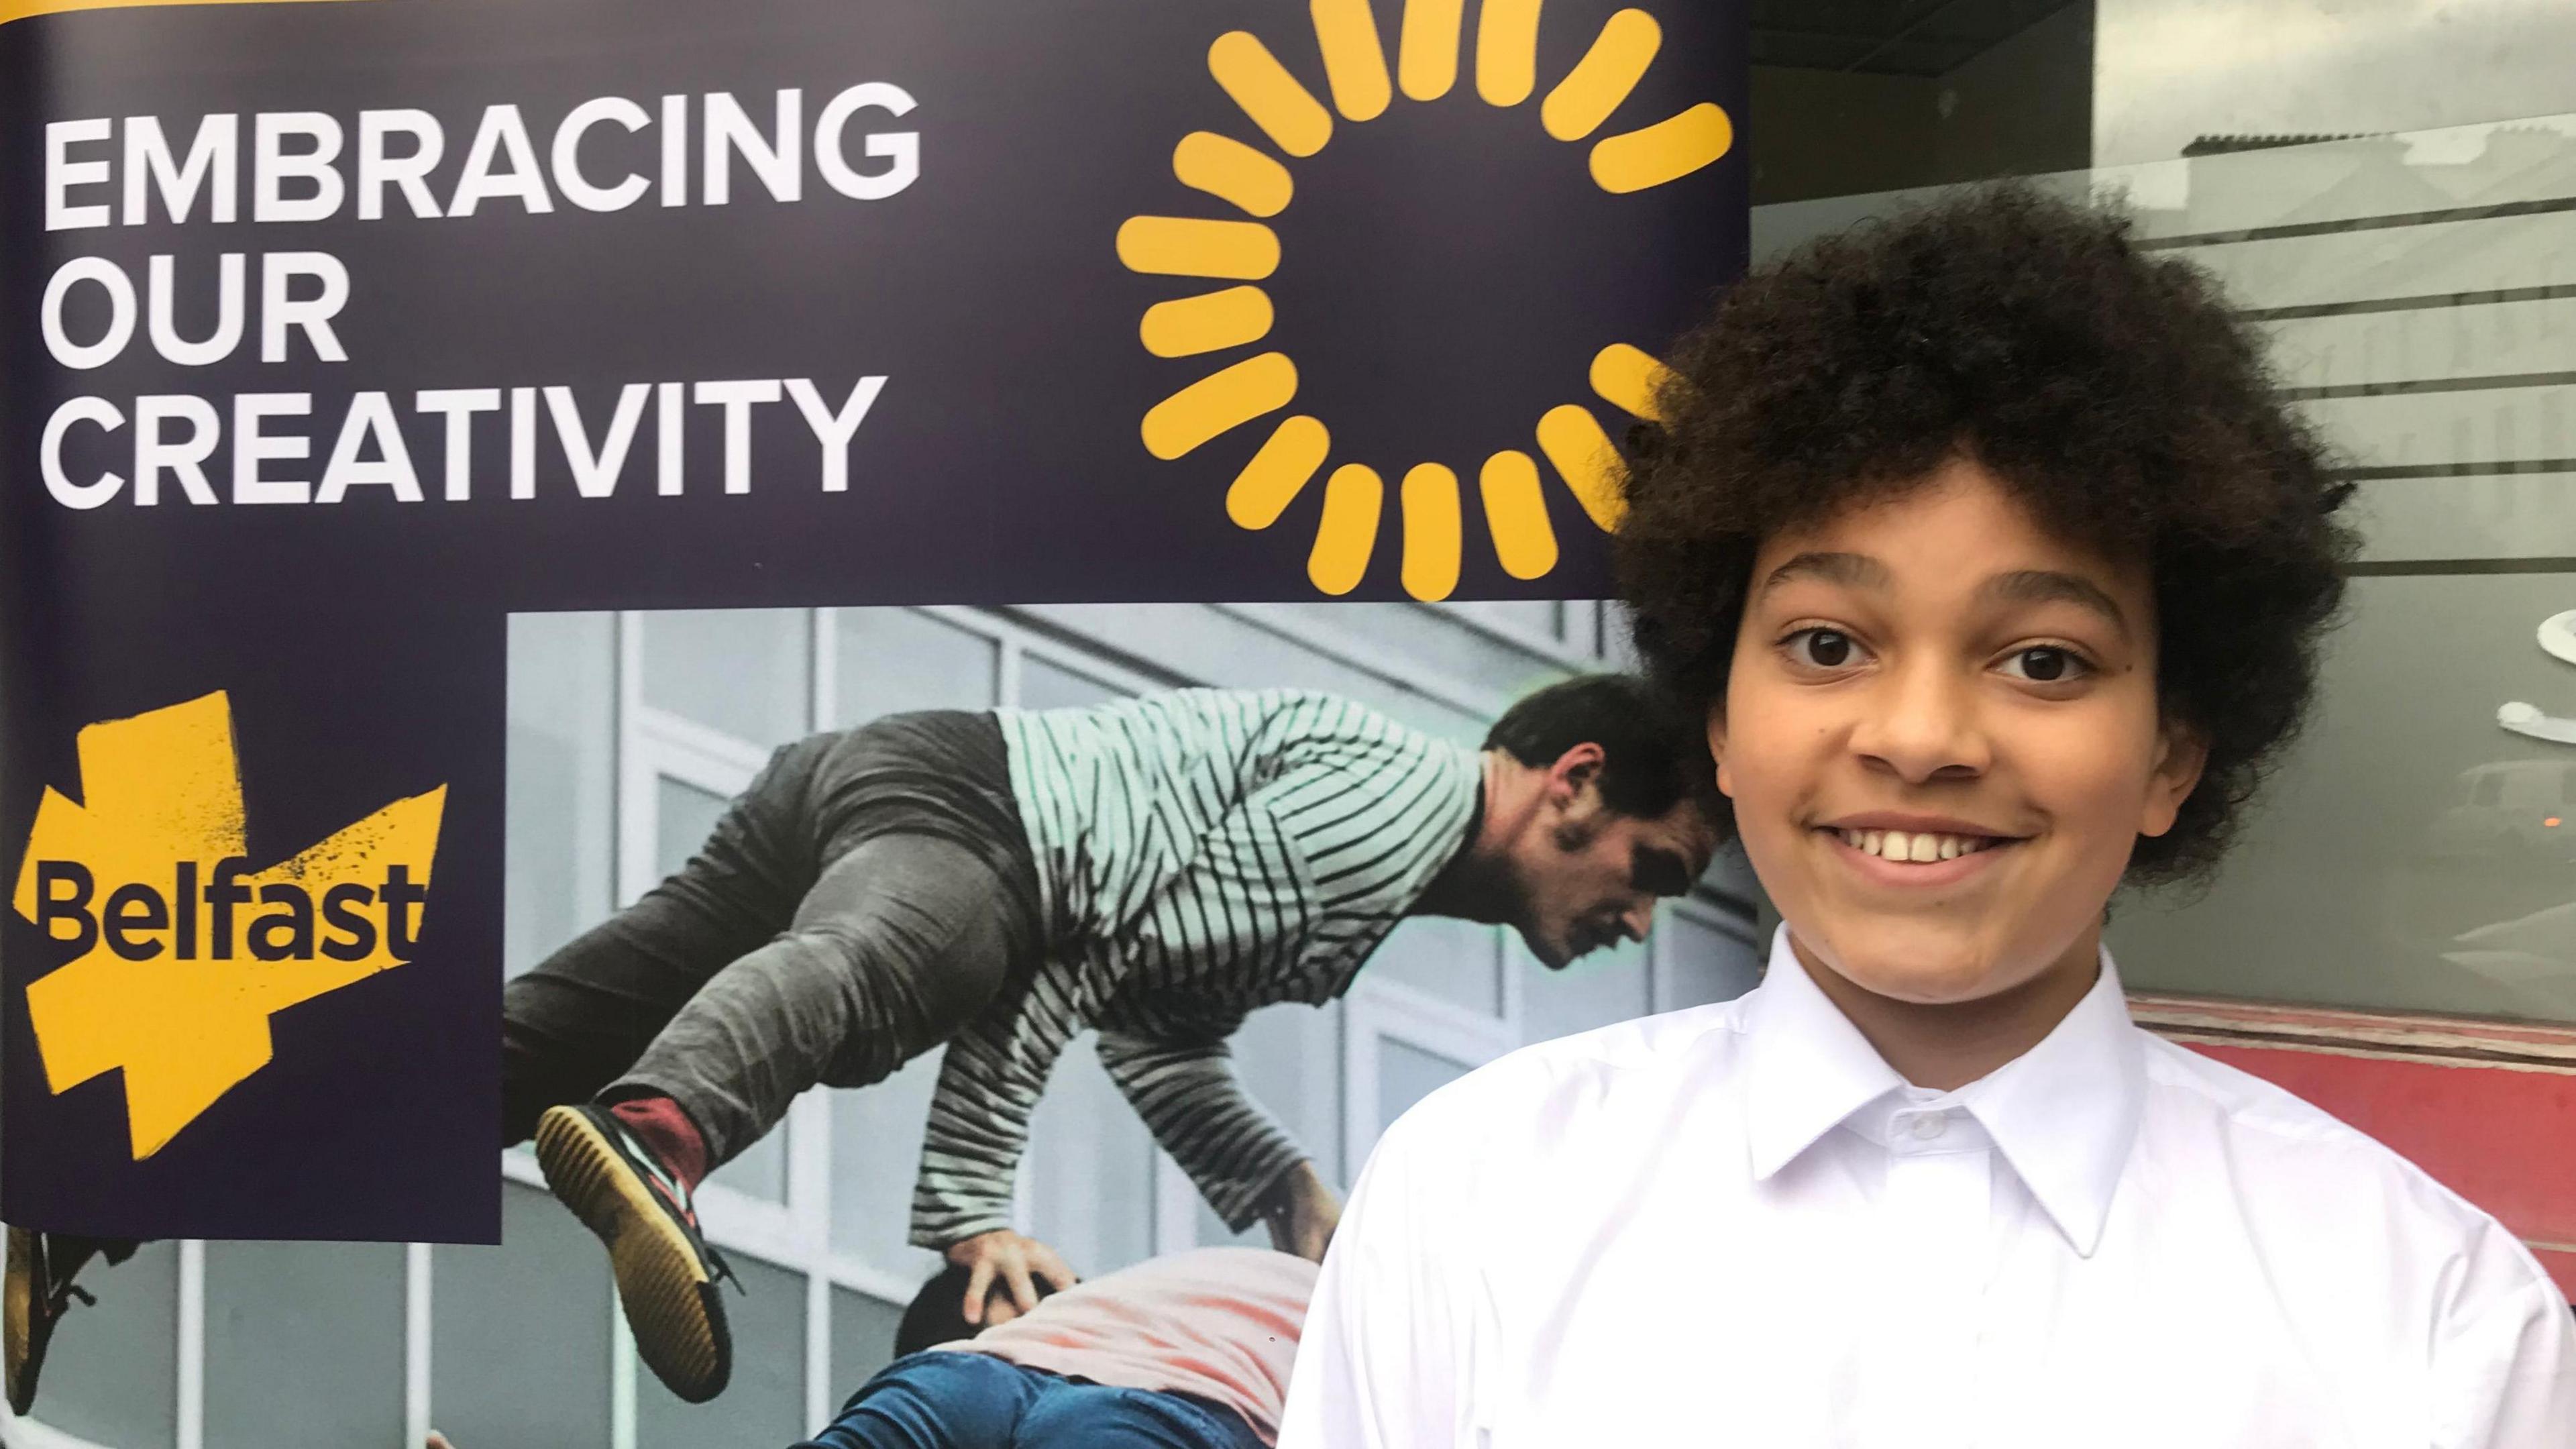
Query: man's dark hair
[[937, 1314], [1655, 751], [2108, 387]]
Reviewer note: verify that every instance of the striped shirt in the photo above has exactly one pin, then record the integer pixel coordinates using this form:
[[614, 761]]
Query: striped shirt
[[1200, 853]]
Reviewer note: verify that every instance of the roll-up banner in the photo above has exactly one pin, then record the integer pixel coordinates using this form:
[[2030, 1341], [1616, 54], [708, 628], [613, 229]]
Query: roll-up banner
[[477, 480]]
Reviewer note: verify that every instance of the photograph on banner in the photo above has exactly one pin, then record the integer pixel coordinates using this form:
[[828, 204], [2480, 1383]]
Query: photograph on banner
[[1395, 905]]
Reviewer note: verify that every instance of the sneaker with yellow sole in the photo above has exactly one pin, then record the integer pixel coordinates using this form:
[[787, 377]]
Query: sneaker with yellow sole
[[666, 1274]]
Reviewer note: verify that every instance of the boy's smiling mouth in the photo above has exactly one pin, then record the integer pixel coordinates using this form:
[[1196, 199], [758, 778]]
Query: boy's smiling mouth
[[1920, 847], [1914, 850]]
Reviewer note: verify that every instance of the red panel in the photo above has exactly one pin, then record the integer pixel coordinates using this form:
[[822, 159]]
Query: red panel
[[2561, 1266], [2502, 1137]]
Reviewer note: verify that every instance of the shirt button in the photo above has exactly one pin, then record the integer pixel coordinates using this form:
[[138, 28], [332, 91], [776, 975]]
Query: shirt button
[[1930, 1126]]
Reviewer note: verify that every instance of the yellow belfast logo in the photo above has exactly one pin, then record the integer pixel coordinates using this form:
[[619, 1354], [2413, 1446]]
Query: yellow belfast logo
[[1258, 185], [181, 951]]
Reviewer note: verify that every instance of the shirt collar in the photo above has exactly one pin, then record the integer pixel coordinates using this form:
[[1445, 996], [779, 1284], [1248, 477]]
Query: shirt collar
[[2064, 1113], [1807, 1068]]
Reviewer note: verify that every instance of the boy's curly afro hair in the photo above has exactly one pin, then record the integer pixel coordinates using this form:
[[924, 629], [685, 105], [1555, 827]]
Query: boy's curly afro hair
[[2109, 389]]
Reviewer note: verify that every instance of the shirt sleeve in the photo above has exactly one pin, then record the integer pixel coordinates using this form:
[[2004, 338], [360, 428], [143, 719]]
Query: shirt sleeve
[[2506, 1373], [1181, 1080], [1395, 1334], [989, 1083]]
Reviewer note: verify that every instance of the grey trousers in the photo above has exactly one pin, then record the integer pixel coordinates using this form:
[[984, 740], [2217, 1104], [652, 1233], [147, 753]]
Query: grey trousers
[[867, 897]]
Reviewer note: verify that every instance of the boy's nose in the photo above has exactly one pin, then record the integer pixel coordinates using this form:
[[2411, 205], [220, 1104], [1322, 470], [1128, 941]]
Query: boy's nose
[[1922, 722]]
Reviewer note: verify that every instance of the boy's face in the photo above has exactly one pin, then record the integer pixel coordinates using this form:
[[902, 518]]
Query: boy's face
[[1942, 740]]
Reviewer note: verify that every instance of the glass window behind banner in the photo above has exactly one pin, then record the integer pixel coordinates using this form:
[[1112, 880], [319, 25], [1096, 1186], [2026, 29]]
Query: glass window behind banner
[[2388, 189]]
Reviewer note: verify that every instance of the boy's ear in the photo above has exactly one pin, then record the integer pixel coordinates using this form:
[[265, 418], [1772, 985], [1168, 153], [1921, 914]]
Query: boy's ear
[[2184, 753], [1717, 746]]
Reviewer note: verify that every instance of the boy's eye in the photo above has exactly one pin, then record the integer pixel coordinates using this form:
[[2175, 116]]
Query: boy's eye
[[1822, 648], [2046, 664]]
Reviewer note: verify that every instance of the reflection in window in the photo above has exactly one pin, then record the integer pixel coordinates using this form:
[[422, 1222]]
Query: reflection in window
[[2402, 857]]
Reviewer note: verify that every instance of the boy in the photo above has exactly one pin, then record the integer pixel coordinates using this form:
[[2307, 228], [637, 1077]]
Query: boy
[[1999, 569]]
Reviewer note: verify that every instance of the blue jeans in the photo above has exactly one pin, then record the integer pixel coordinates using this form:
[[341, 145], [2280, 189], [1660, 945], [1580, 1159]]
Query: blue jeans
[[949, 1400]]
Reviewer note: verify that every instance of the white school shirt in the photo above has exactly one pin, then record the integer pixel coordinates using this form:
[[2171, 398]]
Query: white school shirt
[[1736, 1225]]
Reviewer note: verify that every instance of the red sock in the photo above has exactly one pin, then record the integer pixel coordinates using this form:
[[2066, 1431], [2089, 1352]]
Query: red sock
[[665, 1127]]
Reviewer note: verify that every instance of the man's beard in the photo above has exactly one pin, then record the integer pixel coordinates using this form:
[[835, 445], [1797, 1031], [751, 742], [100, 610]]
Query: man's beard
[[1570, 838]]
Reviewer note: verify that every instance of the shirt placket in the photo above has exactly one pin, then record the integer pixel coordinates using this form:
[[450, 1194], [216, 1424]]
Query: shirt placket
[[1938, 1214]]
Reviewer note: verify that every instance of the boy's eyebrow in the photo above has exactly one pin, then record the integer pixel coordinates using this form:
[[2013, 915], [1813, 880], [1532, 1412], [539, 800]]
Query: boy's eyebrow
[[2022, 586], [1855, 570], [2043, 586]]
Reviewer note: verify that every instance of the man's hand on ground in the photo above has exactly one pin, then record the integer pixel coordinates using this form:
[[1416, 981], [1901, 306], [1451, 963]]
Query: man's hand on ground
[[1004, 1259], [1302, 1213]]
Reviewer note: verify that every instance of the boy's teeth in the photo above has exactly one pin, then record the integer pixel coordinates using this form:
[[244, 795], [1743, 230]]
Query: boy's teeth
[[1916, 847]]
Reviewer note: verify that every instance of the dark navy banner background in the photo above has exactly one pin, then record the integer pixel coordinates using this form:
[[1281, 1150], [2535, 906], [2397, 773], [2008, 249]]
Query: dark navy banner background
[[1447, 274]]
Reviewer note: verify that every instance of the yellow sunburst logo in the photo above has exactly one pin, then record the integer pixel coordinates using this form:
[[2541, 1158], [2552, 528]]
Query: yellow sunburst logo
[[1258, 185]]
